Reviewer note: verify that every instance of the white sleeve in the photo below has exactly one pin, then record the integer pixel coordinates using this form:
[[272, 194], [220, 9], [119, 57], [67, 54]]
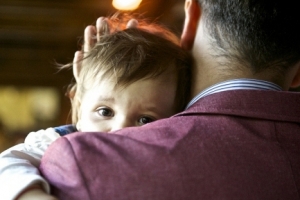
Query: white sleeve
[[19, 164]]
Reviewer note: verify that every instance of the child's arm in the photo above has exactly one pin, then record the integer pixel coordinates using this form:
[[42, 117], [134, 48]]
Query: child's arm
[[18, 165], [35, 193]]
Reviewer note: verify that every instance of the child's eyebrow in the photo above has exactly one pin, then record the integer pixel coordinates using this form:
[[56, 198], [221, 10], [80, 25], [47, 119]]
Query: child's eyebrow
[[155, 110], [151, 108], [107, 99]]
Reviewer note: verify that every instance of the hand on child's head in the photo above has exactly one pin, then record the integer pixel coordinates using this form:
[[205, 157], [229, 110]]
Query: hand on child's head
[[92, 34]]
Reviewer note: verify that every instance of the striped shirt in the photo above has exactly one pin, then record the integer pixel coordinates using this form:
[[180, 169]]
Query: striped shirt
[[236, 84]]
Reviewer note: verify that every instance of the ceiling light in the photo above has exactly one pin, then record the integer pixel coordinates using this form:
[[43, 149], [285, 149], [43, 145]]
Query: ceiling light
[[126, 4]]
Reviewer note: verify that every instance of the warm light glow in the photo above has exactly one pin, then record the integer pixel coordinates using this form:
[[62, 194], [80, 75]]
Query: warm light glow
[[126, 4]]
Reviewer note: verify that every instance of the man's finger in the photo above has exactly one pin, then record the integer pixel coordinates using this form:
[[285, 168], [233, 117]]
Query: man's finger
[[133, 23], [102, 26], [77, 64], [89, 38]]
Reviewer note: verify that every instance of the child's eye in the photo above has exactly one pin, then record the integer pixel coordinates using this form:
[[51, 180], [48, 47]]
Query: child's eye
[[105, 112], [145, 120]]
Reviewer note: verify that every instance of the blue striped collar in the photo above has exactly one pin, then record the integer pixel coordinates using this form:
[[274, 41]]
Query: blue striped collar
[[236, 84]]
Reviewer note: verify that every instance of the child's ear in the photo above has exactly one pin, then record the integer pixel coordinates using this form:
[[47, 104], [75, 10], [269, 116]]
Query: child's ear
[[296, 80], [77, 64], [192, 16]]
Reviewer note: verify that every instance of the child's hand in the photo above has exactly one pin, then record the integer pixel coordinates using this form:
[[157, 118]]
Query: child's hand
[[35, 193]]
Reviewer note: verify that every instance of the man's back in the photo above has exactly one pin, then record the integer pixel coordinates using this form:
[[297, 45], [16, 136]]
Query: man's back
[[230, 145]]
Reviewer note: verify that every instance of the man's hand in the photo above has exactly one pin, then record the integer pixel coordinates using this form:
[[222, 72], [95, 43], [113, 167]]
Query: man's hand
[[92, 34]]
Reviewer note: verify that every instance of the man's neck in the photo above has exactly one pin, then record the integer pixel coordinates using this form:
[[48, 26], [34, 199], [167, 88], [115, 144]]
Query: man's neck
[[205, 76], [209, 70]]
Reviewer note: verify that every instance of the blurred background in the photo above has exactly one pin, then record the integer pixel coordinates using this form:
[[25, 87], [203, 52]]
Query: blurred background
[[36, 34]]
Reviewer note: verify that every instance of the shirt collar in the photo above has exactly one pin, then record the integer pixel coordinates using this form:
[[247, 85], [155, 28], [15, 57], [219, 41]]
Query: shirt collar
[[235, 84]]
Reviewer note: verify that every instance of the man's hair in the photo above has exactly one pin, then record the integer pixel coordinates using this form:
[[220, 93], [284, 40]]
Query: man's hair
[[131, 55], [259, 34]]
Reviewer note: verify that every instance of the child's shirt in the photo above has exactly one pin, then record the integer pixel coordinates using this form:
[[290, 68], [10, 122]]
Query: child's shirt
[[19, 164]]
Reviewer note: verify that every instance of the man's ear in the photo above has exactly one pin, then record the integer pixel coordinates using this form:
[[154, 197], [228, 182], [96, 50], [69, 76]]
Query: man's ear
[[192, 16], [296, 80], [77, 64]]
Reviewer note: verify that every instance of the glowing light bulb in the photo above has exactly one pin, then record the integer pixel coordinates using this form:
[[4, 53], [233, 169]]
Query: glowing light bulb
[[126, 4]]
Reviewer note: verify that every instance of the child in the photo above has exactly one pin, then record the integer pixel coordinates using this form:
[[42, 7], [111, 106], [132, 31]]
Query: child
[[129, 78]]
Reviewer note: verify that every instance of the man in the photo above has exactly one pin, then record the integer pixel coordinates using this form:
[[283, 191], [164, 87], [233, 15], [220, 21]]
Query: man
[[239, 136]]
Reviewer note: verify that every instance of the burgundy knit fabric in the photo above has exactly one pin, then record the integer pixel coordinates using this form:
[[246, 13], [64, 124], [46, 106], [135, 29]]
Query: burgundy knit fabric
[[242, 144]]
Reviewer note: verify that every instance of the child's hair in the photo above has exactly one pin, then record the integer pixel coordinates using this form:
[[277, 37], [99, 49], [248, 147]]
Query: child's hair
[[130, 55]]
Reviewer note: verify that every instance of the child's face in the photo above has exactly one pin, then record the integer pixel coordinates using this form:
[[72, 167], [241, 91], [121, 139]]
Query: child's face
[[105, 108]]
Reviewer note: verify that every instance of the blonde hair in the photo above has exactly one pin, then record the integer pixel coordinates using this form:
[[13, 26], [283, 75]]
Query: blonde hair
[[130, 55]]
